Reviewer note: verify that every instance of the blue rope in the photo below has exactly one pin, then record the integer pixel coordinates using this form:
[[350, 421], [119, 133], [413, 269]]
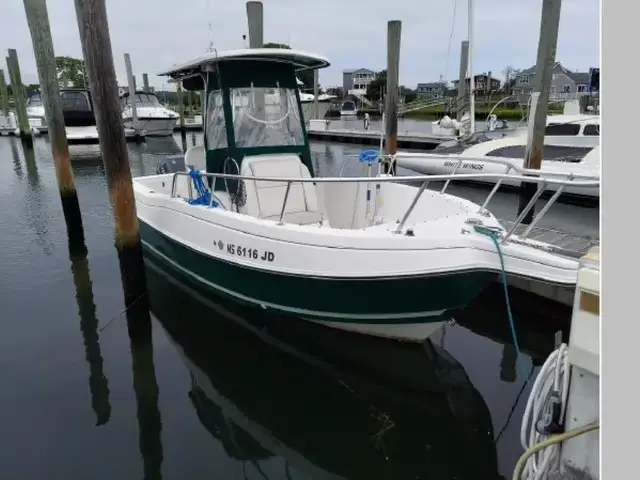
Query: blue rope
[[369, 156], [492, 233], [204, 197]]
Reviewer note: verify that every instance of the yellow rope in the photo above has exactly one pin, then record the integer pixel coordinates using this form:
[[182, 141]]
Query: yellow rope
[[522, 461]]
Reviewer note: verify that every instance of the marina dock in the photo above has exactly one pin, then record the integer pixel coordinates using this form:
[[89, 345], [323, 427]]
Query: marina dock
[[412, 140]]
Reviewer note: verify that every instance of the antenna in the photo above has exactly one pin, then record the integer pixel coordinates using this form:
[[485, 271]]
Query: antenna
[[210, 48]]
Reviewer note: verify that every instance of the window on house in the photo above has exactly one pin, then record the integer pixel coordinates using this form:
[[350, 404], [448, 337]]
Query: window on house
[[524, 79], [581, 88], [591, 130], [566, 89]]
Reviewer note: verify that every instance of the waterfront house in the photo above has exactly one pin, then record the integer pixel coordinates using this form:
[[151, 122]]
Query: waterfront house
[[484, 84], [564, 82], [431, 89], [356, 80]]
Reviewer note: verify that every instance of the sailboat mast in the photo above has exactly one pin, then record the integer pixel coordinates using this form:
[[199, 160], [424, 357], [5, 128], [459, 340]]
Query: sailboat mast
[[472, 96]]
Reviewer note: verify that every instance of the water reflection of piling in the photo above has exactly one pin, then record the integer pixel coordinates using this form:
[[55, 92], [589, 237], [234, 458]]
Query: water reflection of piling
[[32, 166], [145, 387], [98, 384], [17, 164]]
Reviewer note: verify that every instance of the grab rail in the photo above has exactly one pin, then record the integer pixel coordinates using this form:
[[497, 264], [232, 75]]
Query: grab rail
[[543, 183], [497, 160]]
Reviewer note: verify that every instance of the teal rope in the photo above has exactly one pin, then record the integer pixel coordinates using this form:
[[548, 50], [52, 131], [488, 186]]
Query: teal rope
[[493, 234]]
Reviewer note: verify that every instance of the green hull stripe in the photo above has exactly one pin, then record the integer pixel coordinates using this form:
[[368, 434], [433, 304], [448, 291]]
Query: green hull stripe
[[378, 301]]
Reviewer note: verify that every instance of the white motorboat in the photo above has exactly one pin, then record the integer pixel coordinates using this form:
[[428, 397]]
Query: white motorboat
[[348, 109], [307, 100], [308, 104], [35, 112], [259, 227], [571, 148], [153, 118]]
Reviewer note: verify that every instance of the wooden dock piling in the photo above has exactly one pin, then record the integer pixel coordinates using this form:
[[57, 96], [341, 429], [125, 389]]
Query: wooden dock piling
[[394, 30], [462, 79], [4, 95], [145, 82], [183, 130], [17, 88], [38, 20], [316, 92], [95, 37], [549, 25], [131, 80], [255, 18]]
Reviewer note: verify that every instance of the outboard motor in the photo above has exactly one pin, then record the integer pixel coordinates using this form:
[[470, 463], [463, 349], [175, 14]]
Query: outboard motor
[[492, 123], [171, 164]]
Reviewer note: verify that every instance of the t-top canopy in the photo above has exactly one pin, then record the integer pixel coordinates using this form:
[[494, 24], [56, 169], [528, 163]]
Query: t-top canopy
[[300, 60]]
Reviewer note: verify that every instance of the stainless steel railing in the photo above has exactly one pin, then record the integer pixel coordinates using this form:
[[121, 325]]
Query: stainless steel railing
[[542, 181]]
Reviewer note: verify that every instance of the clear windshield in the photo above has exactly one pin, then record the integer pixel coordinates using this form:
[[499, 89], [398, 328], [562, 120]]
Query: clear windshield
[[266, 117], [216, 132], [144, 100], [34, 100], [77, 101]]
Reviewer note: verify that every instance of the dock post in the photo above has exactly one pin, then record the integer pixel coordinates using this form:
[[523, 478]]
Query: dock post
[[4, 95], [131, 80], [462, 79], [183, 130], [38, 20], [394, 29], [94, 34], [316, 91], [19, 99], [145, 82], [549, 25], [255, 17]]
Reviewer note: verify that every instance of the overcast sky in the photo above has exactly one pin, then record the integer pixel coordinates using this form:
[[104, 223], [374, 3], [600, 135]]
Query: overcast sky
[[351, 33]]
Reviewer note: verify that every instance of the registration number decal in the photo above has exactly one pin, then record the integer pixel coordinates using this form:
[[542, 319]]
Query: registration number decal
[[245, 252]]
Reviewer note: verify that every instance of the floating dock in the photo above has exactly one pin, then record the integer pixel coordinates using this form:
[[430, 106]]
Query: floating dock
[[190, 124], [319, 130], [405, 140]]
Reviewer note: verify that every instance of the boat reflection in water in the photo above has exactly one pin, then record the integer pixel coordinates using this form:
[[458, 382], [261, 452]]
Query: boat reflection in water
[[325, 403]]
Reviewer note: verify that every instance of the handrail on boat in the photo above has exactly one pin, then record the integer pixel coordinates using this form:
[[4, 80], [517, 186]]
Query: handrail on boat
[[543, 183]]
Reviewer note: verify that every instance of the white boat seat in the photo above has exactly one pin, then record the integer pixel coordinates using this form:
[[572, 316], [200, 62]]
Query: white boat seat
[[196, 156], [264, 198]]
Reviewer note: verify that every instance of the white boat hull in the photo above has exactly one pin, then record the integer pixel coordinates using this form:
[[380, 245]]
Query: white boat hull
[[154, 127], [308, 110], [369, 280]]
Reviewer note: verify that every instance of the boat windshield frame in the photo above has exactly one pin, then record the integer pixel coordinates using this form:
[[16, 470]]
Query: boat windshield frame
[[258, 100], [142, 99]]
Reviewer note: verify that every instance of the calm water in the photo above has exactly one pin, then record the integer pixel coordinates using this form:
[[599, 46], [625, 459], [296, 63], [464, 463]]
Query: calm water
[[222, 392]]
